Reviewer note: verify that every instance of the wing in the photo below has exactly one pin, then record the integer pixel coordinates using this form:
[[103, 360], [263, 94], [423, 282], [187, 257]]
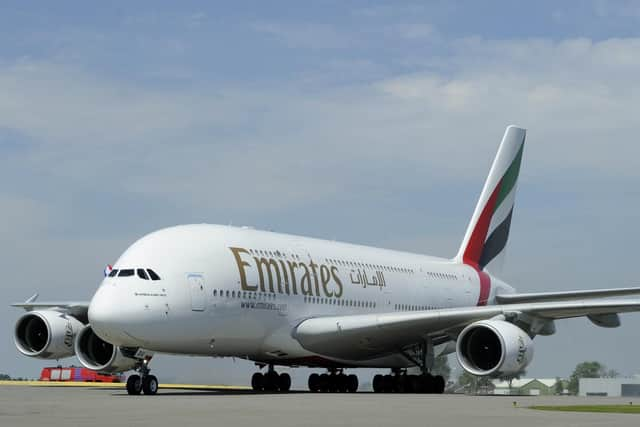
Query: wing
[[565, 295], [77, 309], [372, 335]]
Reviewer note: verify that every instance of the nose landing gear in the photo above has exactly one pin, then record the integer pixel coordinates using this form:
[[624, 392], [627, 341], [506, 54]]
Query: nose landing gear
[[143, 383]]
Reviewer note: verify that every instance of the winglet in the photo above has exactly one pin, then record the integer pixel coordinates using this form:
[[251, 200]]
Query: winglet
[[33, 298]]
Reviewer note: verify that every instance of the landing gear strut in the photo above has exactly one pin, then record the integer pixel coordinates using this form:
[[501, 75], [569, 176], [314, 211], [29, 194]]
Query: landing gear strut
[[271, 381], [143, 383], [335, 381], [401, 382]]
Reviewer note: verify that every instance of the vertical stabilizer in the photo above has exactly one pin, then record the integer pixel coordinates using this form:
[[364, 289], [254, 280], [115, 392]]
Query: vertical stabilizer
[[486, 238]]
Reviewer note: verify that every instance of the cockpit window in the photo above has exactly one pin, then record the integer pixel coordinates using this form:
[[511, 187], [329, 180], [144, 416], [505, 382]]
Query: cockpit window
[[153, 274], [142, 274], [113, 273], [126, 272]]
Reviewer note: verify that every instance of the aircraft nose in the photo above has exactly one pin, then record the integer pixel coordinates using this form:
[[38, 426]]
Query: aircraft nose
[[107, 316]]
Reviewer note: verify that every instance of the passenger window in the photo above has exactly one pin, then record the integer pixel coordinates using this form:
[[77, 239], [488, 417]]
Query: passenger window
[[113, 273], [142, 274], [126, 273], [153, 274]]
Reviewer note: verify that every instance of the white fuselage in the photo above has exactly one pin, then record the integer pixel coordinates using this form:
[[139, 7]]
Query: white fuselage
[[229, 291]]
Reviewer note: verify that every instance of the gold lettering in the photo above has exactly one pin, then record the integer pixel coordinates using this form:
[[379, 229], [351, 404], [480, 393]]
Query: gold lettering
[[268, 262], [241, 269], [286, 278], [325, 277], [306, 290], [334, 273], [315, 277], [292, 270]]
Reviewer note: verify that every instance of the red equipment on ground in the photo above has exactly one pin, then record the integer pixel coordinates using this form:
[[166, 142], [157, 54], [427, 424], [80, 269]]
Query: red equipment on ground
[[73, 373]]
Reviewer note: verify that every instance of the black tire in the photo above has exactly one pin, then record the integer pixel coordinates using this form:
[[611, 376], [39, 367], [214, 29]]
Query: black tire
[[257, 381], [413, 384], [134, 385], [426, 383], [271, 381], [378, 383], [400, 383], [314, 383], [387, 383], [341, 383], [325, 383], [284, 382], [150, 385], [352, 383], [439, 384]]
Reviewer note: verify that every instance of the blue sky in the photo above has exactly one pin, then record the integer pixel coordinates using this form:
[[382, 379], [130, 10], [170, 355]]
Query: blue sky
[[370, 122]]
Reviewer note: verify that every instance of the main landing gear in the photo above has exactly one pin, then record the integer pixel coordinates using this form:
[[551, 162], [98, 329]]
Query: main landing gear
[[400, 382], [143, 383], [336, 381], [271, 381]]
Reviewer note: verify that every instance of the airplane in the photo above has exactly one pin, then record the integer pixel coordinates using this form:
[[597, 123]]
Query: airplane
[[284, 300]]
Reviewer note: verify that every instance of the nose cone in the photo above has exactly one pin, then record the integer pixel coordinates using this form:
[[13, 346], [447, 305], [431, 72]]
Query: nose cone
[[111, 318]]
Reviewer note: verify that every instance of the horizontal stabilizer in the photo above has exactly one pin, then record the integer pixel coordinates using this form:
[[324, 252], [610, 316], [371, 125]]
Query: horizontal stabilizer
[[565, 295]]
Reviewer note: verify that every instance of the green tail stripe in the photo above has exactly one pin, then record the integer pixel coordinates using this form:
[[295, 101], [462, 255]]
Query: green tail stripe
[[509, 179]]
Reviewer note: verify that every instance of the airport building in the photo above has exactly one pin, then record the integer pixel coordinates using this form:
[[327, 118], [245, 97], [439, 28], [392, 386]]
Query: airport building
[[526, 386], [610, 387]]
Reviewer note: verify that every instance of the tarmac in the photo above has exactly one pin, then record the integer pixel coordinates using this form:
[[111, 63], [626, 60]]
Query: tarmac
[[108, 405]]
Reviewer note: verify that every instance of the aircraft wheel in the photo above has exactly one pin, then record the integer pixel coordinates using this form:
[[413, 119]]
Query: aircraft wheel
[[324, 383], [343, 386], [314, 383], [426, 383], [271, 381], [334, 383], [257, 381], [387, 384], [413, 384], [134, 384], [400, 383], [284, 382], [150, 385], [352, 383], [378, 383]]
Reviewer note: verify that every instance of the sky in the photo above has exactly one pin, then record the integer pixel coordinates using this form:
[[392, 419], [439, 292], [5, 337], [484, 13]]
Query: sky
[[367, 122]]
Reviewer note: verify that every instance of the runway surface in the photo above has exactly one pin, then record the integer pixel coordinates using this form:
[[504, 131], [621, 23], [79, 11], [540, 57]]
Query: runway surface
[[104, 406]]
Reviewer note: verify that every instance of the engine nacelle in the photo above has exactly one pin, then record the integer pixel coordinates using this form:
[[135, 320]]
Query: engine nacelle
[[46, 334], [96, 354], [494, 347]]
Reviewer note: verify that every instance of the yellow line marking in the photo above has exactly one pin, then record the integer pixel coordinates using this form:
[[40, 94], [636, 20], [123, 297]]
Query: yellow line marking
[[119, 385]]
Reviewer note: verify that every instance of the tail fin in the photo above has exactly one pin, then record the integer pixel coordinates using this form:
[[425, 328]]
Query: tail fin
[[487, 234]]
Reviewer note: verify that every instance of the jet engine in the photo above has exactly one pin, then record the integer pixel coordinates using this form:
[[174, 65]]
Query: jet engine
[[96, 354], [46, 334], [494, 347]]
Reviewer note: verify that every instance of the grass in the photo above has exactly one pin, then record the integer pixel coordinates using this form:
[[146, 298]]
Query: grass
[[612, 409]]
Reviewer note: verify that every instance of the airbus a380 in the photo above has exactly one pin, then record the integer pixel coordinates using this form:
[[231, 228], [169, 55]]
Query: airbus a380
[[284, 300]]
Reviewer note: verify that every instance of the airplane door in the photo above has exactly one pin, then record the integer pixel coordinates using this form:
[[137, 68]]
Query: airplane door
[[198, 292]]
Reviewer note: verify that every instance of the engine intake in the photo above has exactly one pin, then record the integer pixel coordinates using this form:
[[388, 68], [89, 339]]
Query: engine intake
[[46, 334], [494, 347], [96, 354]]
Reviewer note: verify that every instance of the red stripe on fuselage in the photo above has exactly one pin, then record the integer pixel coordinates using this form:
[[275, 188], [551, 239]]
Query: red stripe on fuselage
[[485, 287]]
